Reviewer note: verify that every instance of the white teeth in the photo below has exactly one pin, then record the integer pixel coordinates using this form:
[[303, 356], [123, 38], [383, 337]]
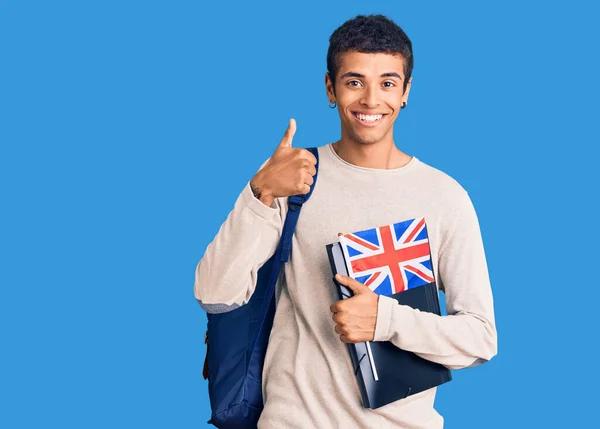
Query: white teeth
[[368, 118]]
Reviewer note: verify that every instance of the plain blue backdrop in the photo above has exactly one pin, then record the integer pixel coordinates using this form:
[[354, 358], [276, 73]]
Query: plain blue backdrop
[[128, 129]]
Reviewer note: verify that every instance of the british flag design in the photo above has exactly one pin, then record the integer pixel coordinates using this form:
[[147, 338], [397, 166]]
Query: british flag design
[[391, 258]]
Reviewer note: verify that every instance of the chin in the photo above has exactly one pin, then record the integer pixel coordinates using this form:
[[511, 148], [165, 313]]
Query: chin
[[367, 139]]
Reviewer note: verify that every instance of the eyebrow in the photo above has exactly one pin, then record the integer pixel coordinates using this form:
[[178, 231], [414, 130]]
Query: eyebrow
[[353, 74]]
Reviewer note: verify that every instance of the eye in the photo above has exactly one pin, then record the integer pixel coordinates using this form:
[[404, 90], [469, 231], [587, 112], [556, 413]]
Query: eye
[[388, 84], [354, 83]]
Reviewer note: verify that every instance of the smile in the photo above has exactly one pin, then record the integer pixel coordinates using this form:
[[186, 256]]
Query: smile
[[368, 119]]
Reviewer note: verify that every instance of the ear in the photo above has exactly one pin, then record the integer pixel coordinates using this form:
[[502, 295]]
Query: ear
[[406, 93], [329, 87]]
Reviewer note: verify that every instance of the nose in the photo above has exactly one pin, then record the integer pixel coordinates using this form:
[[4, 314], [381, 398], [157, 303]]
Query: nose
[[369, 98]]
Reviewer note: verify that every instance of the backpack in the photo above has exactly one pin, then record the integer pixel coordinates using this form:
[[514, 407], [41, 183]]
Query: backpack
[[236, 341]]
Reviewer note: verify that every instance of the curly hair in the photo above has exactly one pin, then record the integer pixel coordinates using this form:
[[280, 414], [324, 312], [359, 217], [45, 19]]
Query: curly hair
[[369, 34]]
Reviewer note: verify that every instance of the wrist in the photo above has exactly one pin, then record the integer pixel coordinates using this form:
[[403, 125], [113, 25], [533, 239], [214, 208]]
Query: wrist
[[261, 191]]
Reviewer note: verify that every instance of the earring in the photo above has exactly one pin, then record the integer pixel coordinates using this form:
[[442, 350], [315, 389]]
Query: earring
[[403, 105], [332, 105]]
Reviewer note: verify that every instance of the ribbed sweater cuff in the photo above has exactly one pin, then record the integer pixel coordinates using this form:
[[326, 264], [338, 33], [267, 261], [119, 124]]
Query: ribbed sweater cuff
[[385, 310]]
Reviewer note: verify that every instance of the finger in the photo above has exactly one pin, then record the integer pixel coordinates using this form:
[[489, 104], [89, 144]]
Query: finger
[[350, 339], [354, 285], [309, 180], [337, 306], [311, 160], [286, 141]]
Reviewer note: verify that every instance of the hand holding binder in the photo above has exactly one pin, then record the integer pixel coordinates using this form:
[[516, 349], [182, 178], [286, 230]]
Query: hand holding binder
[[355, 317]]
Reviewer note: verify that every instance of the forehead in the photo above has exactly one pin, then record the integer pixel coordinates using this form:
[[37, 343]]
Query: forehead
[[370, 64]]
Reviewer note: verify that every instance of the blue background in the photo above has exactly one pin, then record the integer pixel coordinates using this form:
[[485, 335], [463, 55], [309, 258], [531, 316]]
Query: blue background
[[128, 129]]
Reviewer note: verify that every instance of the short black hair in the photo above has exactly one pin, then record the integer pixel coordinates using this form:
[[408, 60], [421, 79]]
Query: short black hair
[[369, 34]]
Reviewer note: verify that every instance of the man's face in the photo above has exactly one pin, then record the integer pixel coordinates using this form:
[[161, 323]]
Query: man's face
[[369, 94]]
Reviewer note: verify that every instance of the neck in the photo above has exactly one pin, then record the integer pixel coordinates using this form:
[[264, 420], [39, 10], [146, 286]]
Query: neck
[[382, 155]]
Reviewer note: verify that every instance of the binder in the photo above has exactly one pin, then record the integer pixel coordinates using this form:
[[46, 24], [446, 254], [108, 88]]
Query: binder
[[384, 372]]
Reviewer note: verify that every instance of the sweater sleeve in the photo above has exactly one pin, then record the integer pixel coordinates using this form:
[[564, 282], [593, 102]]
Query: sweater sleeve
[[466, 336], [226, 275]]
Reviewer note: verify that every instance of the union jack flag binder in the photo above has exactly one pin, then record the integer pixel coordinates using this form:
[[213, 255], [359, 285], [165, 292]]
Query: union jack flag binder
[[393, 260]]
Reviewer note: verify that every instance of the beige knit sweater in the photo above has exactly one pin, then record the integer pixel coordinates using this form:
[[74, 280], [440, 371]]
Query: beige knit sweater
[[308, 380]]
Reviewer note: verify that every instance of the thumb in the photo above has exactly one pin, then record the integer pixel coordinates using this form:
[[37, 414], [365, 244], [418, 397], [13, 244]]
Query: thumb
[[286, 141], [354, 285]]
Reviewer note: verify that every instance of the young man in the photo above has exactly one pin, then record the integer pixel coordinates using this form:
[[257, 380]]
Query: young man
[[364, 181]]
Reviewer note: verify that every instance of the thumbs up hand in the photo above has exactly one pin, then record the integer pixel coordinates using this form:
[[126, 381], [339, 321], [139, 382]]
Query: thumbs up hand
[[355, 317], [289, 170]]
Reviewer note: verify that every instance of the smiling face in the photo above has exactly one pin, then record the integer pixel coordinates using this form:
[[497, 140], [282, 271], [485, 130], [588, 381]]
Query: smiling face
[[369, 94]]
